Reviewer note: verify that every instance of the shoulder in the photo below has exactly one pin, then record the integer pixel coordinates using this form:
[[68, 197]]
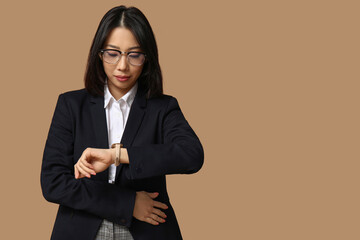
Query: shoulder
[[162, 102], [75, 96], [163, 105]]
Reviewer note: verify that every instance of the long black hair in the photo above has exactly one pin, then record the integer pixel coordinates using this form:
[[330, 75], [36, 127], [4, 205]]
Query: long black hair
[[133, 19]]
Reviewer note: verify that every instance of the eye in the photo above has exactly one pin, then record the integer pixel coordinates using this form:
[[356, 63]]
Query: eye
[[135, 55], [111, 53]]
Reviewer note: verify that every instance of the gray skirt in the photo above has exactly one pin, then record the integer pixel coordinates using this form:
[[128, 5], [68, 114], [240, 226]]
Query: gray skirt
[[113, 231]]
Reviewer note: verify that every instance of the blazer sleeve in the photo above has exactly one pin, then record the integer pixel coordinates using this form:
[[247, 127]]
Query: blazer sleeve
[[108, 201], [180, 152]]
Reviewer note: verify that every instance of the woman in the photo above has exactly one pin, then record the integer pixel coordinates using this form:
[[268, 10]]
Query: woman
[[119, 192]]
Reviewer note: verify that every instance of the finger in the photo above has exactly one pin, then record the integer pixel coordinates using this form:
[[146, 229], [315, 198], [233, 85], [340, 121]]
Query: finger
[[85, 168], [86, 163], [157, 218], [153, 195], [86, 154], [151, 221], [76, 172], [81, 176], [82, 171], [89, 154], [78, 175], [160, 205], [159, 213], [85, 157]]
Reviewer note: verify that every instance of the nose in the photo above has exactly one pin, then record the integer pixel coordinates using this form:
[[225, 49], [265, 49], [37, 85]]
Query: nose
[[122, 64]]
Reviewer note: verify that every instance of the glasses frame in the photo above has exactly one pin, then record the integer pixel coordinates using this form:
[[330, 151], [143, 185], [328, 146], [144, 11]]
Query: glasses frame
[[102, 51]]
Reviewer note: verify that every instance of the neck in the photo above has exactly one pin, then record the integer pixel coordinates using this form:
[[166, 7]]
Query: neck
[[116, 92]]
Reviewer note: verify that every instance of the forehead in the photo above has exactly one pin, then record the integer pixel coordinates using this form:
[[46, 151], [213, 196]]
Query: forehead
[[122, 38]]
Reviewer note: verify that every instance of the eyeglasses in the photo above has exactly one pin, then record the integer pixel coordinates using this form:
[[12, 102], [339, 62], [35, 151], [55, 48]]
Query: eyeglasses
[[112, 56]]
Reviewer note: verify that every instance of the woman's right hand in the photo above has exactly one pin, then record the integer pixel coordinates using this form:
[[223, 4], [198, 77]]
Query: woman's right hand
[[92, 161], [95, 160], [148, 210]]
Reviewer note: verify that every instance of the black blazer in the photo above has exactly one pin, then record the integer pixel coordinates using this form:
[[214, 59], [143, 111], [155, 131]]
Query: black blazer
[[159, 141]]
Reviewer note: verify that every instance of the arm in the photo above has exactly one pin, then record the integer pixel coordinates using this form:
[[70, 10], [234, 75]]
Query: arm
[[95, 160], [180, 153], [107, 201]]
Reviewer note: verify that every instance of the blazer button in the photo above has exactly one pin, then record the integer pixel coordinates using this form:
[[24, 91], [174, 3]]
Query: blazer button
[[123, 221]]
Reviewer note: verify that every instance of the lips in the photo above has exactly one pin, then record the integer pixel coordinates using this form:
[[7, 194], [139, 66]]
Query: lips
[[122, 78]]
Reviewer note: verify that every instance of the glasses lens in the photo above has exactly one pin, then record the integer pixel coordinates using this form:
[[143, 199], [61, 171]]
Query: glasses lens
[[111, 56], [136, 59]]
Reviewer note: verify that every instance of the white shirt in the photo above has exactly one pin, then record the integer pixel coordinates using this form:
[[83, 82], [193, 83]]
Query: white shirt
[[117, 113]]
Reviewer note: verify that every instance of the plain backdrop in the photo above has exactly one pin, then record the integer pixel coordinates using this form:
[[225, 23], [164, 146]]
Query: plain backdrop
[[270, 87]]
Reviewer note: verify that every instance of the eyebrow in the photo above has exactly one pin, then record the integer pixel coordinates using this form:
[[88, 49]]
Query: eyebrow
[[113, 46]]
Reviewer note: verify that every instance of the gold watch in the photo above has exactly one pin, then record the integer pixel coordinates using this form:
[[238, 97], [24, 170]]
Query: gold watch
[[117, 147]]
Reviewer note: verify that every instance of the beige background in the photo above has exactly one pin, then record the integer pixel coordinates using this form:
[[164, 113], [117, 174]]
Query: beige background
[[270, 87]]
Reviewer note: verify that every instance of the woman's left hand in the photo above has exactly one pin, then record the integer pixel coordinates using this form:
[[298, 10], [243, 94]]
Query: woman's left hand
[[92, 161]]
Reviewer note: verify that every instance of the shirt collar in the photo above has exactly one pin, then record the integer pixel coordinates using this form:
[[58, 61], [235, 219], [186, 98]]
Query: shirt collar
[[128, 97]]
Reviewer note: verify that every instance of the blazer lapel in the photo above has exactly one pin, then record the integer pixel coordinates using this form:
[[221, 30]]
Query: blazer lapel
[[134, 120], [98, 117]]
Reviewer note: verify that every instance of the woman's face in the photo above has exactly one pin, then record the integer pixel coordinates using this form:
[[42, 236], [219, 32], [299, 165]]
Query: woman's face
[[121, 76]]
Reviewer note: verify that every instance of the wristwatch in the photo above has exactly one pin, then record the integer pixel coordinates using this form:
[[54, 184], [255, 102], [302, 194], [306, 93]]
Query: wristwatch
[[117, 147]]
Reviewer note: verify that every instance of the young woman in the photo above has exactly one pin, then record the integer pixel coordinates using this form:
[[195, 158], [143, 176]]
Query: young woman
[[111, 144]]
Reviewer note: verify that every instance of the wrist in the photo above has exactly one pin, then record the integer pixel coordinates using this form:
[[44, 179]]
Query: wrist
[[117, 147], [113, 155], [124, 156]]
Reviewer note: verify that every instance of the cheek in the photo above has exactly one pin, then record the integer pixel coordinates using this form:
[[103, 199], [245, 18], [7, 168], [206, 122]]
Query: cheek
[[108, 70], [138, 71]]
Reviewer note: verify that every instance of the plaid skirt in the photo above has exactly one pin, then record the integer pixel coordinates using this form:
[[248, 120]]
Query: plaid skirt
[[113, 231]]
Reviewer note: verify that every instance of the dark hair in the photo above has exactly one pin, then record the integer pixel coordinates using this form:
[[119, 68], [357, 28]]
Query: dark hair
[[133, 19]]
